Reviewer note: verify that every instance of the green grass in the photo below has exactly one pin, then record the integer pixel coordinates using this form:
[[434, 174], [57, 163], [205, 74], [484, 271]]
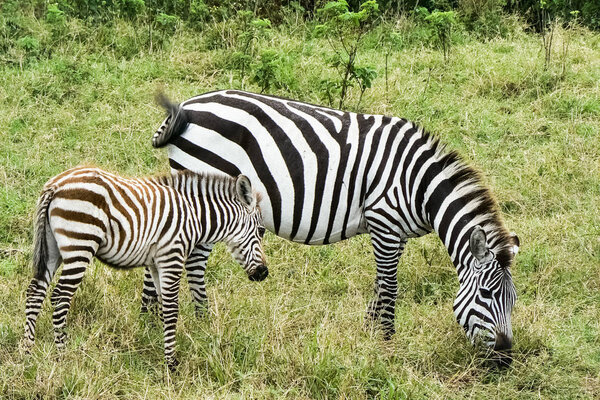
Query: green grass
[[535, 134]]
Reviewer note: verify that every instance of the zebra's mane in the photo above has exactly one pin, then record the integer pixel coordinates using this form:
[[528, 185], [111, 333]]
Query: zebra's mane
[[460, 174], [176, 178]]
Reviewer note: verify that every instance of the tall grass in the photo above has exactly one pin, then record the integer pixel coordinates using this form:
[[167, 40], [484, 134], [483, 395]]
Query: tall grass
[[301, 333]]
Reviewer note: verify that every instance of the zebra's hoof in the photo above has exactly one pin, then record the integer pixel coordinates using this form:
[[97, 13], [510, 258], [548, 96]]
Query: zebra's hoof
[[26, 345], [172, 364], [59, 341], [201, 311]]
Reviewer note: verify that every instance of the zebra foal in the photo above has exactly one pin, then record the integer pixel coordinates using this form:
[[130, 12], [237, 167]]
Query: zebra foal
[[127, 222]]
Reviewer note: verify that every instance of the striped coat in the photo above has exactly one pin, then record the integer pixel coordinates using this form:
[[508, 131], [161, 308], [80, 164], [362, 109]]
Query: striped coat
[[158, 222], [326, 175]]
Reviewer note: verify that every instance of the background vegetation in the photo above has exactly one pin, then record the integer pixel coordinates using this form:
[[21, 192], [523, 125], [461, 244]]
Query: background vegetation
[[518, 98]]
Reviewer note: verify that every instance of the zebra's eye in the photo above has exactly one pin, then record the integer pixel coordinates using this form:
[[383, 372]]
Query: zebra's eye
[[485, 293], [261, 231]]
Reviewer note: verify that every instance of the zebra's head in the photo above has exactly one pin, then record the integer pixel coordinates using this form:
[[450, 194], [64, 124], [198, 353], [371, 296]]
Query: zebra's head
[[245, 242], [487, 294]]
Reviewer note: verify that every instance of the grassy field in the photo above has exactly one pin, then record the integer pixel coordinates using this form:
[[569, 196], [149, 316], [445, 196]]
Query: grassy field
[[534, 132]]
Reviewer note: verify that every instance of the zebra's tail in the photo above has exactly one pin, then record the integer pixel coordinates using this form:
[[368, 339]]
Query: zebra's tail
[[173, 125], [40, 249]]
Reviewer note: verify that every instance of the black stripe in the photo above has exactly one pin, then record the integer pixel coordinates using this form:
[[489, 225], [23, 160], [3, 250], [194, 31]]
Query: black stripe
[[240, 135]]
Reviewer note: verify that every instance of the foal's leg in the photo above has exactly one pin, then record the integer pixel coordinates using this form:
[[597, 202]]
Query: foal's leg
[[149, 294], [195, 267], [169, 275], [76, 258], [36, 291]]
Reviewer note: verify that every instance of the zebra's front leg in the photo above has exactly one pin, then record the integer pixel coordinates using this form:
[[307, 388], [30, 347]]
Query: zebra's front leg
[[387, 249], [195, 267], [149, 294], [169, 274]]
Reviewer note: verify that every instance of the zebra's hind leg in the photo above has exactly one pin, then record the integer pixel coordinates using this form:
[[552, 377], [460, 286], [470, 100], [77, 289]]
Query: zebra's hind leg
[[76, 259], [387, 248], [36, 292], [195, 267], [169, 274]]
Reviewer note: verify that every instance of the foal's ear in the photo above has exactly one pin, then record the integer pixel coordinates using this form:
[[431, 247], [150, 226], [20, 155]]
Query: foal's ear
[[243, 189], [478, 245]]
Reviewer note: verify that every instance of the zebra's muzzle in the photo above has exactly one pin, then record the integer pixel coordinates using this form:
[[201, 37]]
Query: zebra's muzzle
[[259, 274], [502, 347]]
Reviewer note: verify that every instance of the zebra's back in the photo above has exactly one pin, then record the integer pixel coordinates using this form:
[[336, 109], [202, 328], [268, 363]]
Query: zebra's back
[[126, 218], [313, 165]]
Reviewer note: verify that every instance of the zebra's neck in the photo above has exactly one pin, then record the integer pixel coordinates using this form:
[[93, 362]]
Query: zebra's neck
[[455, 200], [205, 196]]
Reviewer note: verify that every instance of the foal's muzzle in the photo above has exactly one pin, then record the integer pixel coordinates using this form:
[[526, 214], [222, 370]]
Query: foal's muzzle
[[259, 274]]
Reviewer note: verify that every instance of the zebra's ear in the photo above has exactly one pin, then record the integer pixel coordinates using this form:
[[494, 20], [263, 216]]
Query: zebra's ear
[[478, 245], [243, 189], [516, 242]]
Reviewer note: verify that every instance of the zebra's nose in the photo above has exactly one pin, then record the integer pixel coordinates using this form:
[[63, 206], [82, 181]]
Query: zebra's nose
[[503, 347], [503, 342], [260, 273]]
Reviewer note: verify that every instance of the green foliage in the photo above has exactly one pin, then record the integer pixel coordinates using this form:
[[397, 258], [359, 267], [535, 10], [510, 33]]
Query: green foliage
[[484, 17], [531, 10], [265, 71], [55, 16], [199, 13], [167, 23], [344, 30], [132, 9], [242, 34], [442, 23], [29, 44]]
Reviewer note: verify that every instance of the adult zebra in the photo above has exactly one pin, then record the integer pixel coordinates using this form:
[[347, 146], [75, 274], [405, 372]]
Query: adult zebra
[[326, 175], [159, 222]]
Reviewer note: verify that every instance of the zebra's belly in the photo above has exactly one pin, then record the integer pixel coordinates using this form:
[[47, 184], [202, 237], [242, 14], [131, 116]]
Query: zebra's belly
[[134, 255]]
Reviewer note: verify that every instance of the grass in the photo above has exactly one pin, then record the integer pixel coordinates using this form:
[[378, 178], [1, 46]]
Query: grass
[[301, 333]]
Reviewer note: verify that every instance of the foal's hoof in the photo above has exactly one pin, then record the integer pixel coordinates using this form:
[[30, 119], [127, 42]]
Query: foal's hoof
[[388, 333]]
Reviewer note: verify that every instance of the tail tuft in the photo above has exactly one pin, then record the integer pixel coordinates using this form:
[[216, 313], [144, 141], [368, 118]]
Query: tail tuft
[[173, 125], [40, 250]]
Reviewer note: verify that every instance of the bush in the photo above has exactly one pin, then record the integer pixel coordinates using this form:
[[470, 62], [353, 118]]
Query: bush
[[345, 30], [265, 71], [442, 23], [132, 9], [484, 17]]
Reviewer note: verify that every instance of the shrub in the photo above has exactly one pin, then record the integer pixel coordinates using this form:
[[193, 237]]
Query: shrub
[[345, 29], [265, 71], [442, 23], [483, 17], [132, 9]]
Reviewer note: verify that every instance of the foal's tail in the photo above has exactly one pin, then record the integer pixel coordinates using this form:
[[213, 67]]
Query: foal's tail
[[173, 125], [40, 246]]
